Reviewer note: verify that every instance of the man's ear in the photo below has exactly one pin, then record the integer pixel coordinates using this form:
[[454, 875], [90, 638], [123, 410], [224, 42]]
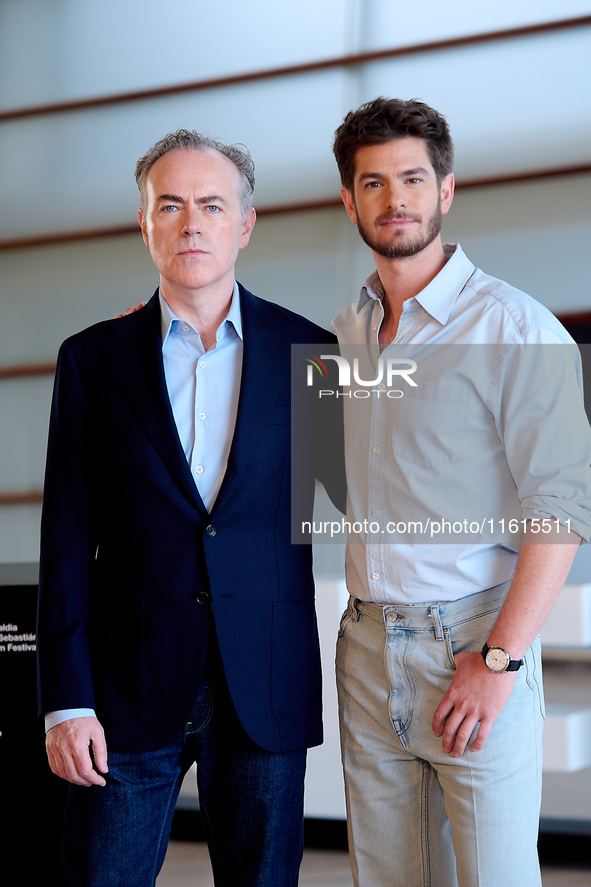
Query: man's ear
[[447, 192], [349, 202], [142, 223], [247, 226]]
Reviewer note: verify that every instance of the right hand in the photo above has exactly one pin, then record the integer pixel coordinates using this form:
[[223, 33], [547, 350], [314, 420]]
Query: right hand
[[68, 750], [131, 310]]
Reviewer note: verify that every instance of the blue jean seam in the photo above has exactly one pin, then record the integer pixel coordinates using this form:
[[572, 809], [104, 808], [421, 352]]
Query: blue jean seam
[[161, 835], [426, 856]]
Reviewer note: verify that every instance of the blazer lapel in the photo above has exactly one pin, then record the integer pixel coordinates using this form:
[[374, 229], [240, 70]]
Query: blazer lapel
[[266, 361], [134, 354]]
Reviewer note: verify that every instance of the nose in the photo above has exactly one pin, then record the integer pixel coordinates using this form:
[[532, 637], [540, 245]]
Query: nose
[[191, 221], [394, 196]]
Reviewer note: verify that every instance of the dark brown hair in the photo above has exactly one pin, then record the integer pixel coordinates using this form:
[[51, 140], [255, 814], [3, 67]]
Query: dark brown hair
[[382, 120]]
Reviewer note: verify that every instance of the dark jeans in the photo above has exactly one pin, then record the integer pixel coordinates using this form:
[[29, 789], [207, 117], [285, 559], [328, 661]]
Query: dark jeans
[[251, 804]]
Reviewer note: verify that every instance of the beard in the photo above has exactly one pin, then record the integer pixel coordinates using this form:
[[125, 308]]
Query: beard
[[394, 250]]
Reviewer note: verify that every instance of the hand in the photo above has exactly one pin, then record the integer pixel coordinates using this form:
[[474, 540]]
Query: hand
[[476, 695], [131, 310], [68, 751]]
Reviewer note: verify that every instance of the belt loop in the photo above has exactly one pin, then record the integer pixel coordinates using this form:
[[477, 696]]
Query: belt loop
[[354, 612], [435, 616]]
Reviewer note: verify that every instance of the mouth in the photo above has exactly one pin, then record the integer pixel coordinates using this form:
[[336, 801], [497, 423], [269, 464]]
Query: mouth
[[395, 221], [192, 252]]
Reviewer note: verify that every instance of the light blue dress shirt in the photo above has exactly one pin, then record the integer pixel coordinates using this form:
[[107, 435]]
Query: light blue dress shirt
[[493, 432], [203, 388]]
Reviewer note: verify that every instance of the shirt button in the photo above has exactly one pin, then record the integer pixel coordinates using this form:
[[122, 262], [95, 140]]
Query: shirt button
[[202, 597], [375, 575], [210, 531], [375, 512], [376, 450], [199, 469], [202, 363], [382, 387], [186, 327], [202, 415]]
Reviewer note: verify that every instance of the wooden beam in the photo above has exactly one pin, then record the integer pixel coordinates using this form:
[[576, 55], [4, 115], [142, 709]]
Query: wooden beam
[[345, 61], [32, 497], [27, 369]]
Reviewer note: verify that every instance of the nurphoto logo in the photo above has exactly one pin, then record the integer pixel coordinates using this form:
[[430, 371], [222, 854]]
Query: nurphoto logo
[[315, 362], [388, 371]]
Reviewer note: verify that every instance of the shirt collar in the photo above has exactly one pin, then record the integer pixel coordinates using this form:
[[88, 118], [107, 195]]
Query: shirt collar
[[233, 317], [439, 296]]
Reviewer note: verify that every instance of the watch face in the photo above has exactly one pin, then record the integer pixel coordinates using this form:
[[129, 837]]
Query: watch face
[[497, 659]]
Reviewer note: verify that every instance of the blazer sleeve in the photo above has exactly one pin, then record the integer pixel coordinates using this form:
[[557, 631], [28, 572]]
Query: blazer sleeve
[[67, 549]]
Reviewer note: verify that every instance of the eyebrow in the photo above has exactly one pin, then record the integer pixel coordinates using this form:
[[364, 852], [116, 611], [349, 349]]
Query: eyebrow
[[173, 198], [407, 172], [209, 198]]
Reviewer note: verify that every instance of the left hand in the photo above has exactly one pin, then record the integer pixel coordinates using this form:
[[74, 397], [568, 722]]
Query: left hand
[[131, 310], [68, 751], [476, 695]]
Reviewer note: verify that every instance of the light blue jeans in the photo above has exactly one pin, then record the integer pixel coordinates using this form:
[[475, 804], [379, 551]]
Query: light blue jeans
[[418, 817]]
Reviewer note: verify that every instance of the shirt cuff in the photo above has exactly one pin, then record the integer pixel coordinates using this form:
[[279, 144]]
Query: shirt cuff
[[53, 718]]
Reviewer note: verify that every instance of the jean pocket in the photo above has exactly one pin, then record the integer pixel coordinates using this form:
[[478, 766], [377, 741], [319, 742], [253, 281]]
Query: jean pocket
[[469, 635], [449, 648], [533, 673], [350, 615], [346, 618]]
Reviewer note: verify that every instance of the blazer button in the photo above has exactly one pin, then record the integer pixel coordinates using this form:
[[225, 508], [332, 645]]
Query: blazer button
[[202, 597], [210, 531]]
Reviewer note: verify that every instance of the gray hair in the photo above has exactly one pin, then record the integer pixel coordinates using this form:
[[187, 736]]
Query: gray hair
[[190, 140]]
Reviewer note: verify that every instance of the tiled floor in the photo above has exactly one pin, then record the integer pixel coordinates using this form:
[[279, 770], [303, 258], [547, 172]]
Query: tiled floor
[[565, 878], [187, 865]]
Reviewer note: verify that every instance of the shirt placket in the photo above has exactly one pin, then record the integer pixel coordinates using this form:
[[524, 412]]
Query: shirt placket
[[198, 466], [376, 501]]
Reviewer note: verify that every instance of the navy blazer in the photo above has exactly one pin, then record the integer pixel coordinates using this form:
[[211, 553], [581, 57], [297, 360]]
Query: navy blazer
[[132, 564]]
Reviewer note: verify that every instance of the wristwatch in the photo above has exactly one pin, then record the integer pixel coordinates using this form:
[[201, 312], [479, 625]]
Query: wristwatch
[[498, 660]]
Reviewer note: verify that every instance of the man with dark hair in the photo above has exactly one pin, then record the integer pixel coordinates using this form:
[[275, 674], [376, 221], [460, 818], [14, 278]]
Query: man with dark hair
[[385, 119], [176, 618], [486, 446]]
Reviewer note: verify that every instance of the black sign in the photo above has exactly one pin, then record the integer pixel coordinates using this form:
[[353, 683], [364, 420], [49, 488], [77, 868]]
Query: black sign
[[32, 798]]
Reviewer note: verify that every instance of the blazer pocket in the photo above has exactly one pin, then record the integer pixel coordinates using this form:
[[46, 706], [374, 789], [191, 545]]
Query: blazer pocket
[[280, 415]]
